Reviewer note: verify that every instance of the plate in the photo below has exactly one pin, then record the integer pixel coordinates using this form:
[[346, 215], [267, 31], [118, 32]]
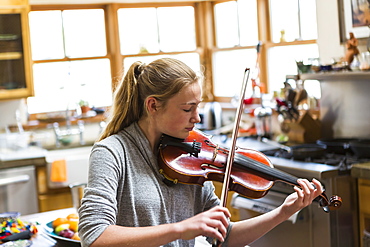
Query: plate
[[18, 243], [50, 232]]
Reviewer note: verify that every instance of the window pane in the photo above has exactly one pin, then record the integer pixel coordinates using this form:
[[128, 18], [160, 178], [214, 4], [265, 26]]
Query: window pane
[[226, 22], [84, 32], [248, 22], [46, 34], [176, 29], [229, 67], [138, 30], [190, 59], [236, 23], [297, 18], [308, 19], [284, 17], [282, 62], [60, 84]]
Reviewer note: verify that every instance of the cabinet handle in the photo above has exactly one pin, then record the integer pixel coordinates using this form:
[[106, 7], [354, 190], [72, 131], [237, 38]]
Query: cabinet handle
[[14, 180]]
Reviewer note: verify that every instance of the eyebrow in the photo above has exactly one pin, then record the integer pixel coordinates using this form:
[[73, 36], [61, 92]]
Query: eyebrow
[[192, 103]]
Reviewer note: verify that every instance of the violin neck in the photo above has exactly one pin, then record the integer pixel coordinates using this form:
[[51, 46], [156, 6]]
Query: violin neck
[[264, 170]]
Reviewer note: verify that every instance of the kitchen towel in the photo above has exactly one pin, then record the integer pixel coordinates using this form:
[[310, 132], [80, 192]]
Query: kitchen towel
[[58, 172]]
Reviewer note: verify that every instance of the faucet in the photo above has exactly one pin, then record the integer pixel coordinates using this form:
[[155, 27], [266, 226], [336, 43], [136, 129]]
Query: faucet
[[59, 134]]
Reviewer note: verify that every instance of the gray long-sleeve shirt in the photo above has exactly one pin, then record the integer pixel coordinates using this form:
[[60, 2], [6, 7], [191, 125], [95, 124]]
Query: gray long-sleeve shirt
[[125, 188]]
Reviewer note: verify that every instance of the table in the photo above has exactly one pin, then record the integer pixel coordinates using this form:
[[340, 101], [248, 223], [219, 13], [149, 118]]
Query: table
[[41, 239]]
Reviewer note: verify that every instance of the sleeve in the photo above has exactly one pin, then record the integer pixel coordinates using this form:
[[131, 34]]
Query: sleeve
[[99, 204]]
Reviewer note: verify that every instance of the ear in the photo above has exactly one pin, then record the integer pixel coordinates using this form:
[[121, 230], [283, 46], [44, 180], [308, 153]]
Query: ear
[[151, 105]]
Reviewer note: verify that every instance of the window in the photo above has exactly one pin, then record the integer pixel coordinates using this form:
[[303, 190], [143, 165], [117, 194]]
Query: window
[[151, 33], [282, 62], [72, 56], [236, 32], [292, 24], [295, 18], [293, 32], [168, 30], [70, 63], [154, 30]]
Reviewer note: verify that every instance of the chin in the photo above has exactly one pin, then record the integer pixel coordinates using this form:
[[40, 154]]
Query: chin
[[180, 135]]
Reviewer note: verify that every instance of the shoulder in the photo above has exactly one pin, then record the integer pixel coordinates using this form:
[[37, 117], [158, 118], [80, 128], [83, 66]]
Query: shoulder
[[114, 145]]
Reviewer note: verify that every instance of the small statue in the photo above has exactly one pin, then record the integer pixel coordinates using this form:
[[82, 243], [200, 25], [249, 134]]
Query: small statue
[[352, 49]]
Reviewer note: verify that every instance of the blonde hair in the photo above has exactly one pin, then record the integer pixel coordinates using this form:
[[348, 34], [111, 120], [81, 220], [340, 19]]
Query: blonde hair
[[161, 79]]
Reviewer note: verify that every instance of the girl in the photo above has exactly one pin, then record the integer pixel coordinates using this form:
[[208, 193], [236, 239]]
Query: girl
[[127, 201]]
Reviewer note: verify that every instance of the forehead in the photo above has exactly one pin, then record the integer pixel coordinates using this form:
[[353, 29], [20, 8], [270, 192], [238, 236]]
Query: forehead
[[189, 95]]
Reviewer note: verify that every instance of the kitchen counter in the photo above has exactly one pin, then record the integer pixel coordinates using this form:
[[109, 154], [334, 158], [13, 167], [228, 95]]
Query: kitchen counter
[[319, 171], [25, 157], [42, 239], [361, 170]]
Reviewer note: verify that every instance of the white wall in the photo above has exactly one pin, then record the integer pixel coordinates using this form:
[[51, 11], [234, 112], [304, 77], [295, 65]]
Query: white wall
[[328, 31]]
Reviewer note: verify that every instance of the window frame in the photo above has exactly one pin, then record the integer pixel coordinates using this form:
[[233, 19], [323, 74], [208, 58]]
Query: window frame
[[205, 38]]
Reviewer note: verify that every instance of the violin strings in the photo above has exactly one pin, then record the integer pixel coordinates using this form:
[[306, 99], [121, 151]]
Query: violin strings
[[257, 166]]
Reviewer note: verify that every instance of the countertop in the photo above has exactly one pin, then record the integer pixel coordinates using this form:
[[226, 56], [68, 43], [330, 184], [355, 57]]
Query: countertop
[[37, 156], [24, 157], [42, 239], [311, 169], [361, 170]]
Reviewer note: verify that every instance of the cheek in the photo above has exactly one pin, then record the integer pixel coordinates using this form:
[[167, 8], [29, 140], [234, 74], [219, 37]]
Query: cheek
[[176, 122]]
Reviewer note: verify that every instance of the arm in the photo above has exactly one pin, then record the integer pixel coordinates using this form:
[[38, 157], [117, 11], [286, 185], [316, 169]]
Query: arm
[[247, 231], [98, 212], [209, 223]]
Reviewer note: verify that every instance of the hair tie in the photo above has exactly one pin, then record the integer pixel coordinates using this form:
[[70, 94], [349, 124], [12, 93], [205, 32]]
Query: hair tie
[[138, 70]]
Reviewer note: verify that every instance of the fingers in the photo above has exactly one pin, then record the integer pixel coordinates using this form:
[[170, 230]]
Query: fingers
[[308, 191], [219, 222], [212, 223]]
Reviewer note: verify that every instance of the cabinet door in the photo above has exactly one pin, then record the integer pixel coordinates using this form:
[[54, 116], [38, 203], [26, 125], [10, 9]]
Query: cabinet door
[[15, 59]]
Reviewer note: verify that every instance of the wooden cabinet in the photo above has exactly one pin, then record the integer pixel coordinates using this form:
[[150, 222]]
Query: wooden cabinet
[[51, 199], [364, 209], [15, 54]]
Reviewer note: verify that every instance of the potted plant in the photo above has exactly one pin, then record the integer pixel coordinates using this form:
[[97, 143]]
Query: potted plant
[[84, 106]]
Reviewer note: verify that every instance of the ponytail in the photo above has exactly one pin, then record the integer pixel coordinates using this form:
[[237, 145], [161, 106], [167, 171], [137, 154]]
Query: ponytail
[[162, 79]]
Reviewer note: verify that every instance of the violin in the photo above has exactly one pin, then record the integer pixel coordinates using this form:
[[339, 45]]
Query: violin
[[197, 159]]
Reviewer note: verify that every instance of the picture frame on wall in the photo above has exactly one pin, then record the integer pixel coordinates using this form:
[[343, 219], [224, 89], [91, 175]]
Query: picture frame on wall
[[354, 16]]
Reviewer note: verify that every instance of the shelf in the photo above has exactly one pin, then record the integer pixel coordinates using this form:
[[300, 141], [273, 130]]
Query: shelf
[[10, 55], [337, 76]]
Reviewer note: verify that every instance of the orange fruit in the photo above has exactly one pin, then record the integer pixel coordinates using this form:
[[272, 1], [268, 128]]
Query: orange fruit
[[76, 237], [73, 225], [59, 221], [72, 216]]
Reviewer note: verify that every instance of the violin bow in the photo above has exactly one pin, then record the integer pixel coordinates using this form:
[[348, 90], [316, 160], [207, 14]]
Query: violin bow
[[230, 158]]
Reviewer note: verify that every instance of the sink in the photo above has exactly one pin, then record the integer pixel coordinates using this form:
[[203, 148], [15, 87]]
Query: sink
[[77, 165]]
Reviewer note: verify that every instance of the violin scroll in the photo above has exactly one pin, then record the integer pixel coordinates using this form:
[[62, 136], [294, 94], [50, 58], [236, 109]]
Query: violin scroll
[[334, 203]]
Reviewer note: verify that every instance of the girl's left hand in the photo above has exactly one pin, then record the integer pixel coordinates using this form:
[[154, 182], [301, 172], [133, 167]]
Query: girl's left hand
[[303, 195]]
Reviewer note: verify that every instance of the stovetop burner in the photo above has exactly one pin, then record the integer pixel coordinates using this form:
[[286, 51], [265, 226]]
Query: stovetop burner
[[343, 161]]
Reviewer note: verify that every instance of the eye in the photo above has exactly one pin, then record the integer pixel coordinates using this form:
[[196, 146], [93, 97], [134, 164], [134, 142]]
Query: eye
[[186, 110]]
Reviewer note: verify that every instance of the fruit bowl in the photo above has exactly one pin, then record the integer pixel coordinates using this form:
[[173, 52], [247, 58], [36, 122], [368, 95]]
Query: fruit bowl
[[50, 232]]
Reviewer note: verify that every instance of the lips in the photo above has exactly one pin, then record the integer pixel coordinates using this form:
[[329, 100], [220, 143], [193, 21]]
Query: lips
[[189, 129]]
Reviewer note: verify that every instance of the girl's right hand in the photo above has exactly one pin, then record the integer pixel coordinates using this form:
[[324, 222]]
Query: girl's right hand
[[212, 223]]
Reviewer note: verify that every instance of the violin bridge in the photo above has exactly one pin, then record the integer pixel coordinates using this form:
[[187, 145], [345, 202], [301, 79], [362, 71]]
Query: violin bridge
[[175, 181], [215, 152]]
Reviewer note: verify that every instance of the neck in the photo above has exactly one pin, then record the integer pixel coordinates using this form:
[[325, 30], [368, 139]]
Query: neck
[[148, 128]]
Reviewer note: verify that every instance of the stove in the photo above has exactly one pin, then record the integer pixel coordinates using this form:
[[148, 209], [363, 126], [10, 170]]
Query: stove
[[341, 161], [311, 227]]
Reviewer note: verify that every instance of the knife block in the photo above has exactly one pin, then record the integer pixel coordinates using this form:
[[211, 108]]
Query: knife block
[[305, 130]]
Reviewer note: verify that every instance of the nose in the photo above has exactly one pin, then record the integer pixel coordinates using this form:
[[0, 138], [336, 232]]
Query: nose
[[196, 117]]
